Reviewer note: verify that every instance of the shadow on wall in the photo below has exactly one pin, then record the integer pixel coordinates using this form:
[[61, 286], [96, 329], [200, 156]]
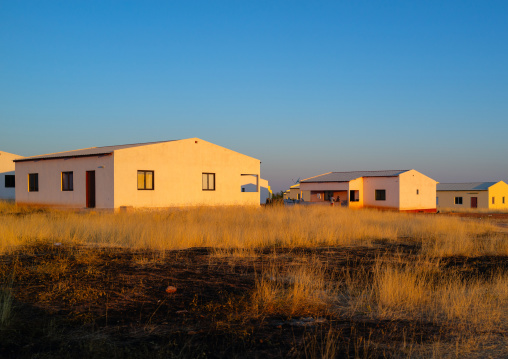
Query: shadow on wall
[[264, 191], [7, 190]]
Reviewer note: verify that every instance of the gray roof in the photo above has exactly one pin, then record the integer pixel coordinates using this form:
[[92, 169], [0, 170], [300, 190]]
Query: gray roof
[[85, 152], [470, 186], [349, 176]]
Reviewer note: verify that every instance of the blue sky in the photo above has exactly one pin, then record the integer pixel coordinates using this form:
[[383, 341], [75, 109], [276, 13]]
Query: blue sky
[[306, 87]]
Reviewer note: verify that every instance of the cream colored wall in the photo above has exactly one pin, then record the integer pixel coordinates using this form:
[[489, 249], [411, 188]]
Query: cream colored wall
[[498, 191], [50, 183], [356, 185], [178, 168], [390, 184], [409, 183], [7, 168], [447, 199], [305, 195], [293, 193]]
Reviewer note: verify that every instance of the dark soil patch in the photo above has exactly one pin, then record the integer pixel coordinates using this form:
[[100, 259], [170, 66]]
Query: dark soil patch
[[81, 302]]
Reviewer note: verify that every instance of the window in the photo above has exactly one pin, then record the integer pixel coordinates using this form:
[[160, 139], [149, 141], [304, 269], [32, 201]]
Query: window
[[9, 181], [417, 191], [33, 182], [380, 195], [145, 180], [67, 181], [458, 200], [354, 196], [208, 181], [437, 200], [493, 200], [503, 200]]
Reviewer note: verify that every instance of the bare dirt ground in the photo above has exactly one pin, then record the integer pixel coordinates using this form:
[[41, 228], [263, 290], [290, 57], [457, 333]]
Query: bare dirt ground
[[82, 302]]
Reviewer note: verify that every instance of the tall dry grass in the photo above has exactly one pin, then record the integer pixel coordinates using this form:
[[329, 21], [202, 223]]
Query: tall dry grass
[[247, 228], [415, 291]]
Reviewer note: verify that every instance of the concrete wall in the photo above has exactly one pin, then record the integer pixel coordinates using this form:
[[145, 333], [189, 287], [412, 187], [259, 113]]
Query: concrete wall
[[499, 192], [417, 191], [7, 168], [389, 184], [50, 182], [178, 168]]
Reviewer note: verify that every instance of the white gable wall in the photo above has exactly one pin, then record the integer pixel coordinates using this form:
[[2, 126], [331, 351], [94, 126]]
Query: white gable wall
[[178, 167], [411, 182]]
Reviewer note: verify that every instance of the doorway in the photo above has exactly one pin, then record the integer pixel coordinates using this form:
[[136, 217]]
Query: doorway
[[474, 202], [90, 189]]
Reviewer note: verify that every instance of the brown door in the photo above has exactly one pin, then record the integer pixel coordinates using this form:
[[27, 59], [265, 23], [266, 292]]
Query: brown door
[[90, 189], [474, 202]]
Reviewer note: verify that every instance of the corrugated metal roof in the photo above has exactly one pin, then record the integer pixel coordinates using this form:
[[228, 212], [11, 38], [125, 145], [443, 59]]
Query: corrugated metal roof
[[349, 176], [470, 186], [85, 152]]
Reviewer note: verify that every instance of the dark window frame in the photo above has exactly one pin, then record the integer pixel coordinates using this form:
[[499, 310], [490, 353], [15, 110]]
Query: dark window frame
[[67, 179], [457, 200], [144, 180], [380, 194], [208, 175], [33, 182], [10, 181]]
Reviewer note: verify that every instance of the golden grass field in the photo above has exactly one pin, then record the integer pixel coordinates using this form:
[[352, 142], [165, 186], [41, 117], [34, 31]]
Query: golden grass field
[[433, 271]]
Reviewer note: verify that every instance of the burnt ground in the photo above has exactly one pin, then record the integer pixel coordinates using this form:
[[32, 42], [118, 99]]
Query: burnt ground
[[82, 302]]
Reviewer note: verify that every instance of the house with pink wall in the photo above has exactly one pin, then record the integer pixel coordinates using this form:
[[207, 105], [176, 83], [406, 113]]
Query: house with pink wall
[[401, 190]]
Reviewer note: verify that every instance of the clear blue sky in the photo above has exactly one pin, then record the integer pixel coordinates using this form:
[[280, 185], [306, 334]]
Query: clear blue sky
[[306, 87]]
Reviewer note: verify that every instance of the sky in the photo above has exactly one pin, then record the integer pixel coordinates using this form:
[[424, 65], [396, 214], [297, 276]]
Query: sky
[[306, 87]]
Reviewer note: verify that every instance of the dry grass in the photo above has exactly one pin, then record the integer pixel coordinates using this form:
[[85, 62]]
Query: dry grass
[[248, 228], [471, 210], [416, 291], [300, 290], [414, 287]]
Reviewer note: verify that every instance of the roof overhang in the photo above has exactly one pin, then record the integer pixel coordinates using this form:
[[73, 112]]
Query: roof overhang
[[61, 157]]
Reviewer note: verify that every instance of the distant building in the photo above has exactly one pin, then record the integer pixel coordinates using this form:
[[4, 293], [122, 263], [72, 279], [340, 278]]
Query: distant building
[[189, 172], [296, 194], [7, 176], [402, 190], [486, 195]]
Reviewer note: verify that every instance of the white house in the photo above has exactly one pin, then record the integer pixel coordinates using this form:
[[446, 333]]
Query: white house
[[402, 190], [187, 172], [7, 177]]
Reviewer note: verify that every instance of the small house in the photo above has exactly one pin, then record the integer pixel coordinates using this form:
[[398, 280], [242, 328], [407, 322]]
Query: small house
[[189, 172], [402, 190], [486, 195]]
